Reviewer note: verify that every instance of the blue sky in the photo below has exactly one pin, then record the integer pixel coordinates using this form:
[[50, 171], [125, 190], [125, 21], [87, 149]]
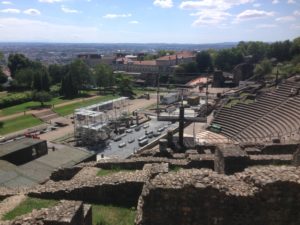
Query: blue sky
[[148, 21]]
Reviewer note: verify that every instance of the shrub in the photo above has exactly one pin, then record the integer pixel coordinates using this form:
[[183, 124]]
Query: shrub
[[15, 99]]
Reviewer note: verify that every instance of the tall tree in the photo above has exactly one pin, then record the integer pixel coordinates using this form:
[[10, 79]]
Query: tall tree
[[77, 78], [3, 77], [17, 62], [227, 59], [104, 76], [204, 61], [57, 72], [124, 84]]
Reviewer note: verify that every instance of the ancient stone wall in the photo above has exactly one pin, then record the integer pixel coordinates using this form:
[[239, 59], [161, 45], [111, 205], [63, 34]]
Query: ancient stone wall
[[259, 195], [65, 213], [65, 173], [278, 149], [122, 188]]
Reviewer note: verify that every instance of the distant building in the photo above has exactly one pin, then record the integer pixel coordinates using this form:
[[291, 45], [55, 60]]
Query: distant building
[[150, 68], [95, 59]]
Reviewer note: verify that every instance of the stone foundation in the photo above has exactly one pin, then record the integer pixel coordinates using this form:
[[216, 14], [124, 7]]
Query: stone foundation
[[261, 196], [65, 213]]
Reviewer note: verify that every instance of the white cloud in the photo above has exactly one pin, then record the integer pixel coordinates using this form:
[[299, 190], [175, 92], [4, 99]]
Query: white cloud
[[216, 4], [285, 19], [253, 14], [209, 16], [163, 3], [291, 1], [275, 1], [212, 12], [134, 22], [68, 10], [296, 13], [15, 29], [256, 5], [32, 12], [6, 3], [266, 26], [50, 1], [10, 11], [295, 26], [115, 16]]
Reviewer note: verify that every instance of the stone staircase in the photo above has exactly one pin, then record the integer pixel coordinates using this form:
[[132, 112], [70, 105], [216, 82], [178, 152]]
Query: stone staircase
[[46, 115]]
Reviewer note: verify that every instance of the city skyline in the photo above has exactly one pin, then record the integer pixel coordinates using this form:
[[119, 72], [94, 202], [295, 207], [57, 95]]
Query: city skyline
[[149, 21]]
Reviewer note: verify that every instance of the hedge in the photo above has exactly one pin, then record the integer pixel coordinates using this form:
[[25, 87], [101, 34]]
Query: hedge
[[15, 99]]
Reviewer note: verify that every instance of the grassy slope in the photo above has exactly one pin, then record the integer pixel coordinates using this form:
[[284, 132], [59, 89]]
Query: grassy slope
[[69, 109], [19, 123], [27, 206], [102, 214], [28, 105]]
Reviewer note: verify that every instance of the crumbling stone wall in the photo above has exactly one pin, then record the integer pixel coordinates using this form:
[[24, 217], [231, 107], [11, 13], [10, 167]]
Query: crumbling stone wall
[[65, 173], [122, 188], [229, 160], [65, 213], [259, 195]]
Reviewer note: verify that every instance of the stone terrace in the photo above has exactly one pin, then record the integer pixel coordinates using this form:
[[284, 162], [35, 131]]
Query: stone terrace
[[259, 195]]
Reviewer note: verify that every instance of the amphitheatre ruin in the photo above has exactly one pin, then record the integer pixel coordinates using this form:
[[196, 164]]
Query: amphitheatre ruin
[[238, 165]]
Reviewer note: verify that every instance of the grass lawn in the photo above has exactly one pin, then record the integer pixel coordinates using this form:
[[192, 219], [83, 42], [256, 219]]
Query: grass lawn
[[111, 215], [28, 105], [69, 109], [27, 206], [19, 123]]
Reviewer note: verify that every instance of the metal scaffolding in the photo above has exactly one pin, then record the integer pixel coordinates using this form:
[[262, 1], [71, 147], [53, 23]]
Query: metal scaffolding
[[91, 123]]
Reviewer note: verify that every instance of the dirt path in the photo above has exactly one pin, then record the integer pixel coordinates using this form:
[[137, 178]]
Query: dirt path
[[28, 112], [10, 203]]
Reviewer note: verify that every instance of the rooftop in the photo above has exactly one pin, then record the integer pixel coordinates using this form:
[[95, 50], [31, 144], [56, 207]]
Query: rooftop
[[17, 145]]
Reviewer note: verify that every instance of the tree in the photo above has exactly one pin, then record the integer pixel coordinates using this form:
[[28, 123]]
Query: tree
[[77, 78], [280, 50], [41, 97], [295, 48], [227, 59], [24, 77], [204, 61], [35, 77], [17, 62], [124, 85], [263, 68], [41, 80], [104, 76], [57, 72], [3, 77]]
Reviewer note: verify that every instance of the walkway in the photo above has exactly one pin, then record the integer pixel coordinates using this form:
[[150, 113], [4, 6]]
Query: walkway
[[29, 112]]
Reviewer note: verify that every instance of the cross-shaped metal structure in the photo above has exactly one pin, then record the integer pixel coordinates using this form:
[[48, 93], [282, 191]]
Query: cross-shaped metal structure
[[182, 119]]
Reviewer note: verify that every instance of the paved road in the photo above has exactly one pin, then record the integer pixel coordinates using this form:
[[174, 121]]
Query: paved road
[[113, 150]]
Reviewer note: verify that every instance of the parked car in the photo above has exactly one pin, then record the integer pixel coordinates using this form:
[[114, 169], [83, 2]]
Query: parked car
[[142, 138], [146, 125], [143, 142], [131, 140], [129, 131], [123, 144]]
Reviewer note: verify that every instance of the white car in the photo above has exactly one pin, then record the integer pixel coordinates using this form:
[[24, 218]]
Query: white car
[[121, 145], [146, 125], [129, 131]]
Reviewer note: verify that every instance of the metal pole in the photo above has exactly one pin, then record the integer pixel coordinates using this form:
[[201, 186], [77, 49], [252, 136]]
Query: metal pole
[[157, 103], [181, 125]]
